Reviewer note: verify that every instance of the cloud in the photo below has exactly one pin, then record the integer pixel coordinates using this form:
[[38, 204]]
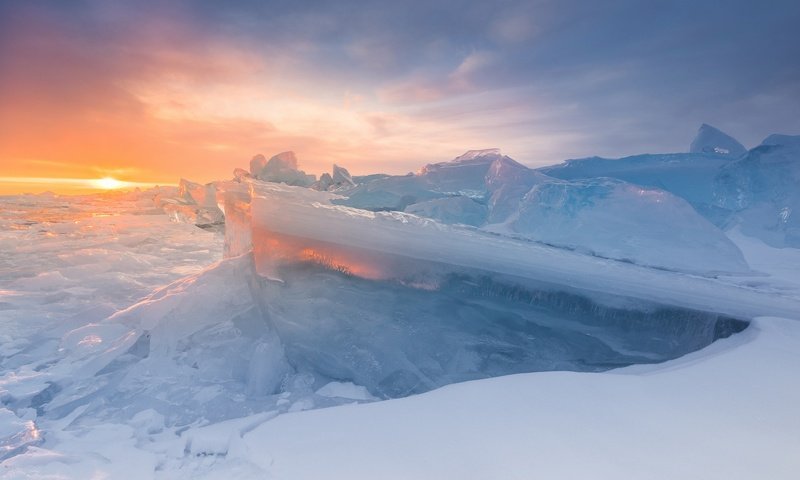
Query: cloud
[[422, 88], [165, 87]]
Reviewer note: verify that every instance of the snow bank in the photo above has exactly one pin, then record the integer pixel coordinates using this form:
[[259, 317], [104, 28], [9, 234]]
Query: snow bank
[[713, 414]]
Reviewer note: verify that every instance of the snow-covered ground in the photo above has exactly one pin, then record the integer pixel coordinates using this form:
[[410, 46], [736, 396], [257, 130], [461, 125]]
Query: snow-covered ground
[[131, 349]]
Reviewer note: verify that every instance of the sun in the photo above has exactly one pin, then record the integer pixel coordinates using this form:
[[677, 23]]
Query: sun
[[108, 183]]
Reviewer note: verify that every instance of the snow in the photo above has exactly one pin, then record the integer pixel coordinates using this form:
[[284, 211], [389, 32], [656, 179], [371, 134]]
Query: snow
[[712, 140], [712, 414], [345, 390]]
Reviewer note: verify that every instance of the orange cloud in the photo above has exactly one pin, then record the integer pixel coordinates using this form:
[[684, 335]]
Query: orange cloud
[[160, 100]]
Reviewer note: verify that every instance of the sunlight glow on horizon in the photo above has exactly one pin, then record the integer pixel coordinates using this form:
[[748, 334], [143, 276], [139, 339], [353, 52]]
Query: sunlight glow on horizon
[[108, 183], [68, 185]]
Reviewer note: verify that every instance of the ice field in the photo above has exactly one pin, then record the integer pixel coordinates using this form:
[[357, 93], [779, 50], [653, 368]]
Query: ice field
[[477, 319]]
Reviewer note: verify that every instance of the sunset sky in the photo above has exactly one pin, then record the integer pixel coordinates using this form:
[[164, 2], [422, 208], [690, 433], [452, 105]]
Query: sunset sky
[[149, 91]]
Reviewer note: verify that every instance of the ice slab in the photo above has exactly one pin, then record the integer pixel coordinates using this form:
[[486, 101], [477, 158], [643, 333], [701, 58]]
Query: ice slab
[[616, 219], [687, 175], [280, 168], [466, 175], [762, 189], [712, 140], [366, 243], [16, 434], [458, 209]]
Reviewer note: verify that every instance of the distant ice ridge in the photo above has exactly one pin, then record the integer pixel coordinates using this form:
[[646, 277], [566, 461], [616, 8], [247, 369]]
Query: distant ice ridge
[[756, 189], [588, 204], [580, 209], [280, 168], [690, 176]]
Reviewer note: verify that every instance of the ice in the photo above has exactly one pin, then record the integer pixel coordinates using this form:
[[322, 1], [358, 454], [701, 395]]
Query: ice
[[792, 141], [507, 182], [716, 413], [393, 303], [756, 189], [193, 203], [238, 239], [601, 216], [124, 353], [148, 421], [365, 244], [345, 390], [16, 433], [230, 334], [390, 193], [324, 183], [195, 215], [604, 217], [688, 175], [268, 367], [615, 219], [340, 179], [465, 176], [280, 168], [458, 209], [240, 174], [761, 189], [337, 305], [712, 140], [202, 195]]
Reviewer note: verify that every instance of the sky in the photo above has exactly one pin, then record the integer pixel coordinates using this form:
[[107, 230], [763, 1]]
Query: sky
[[150, 91]]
